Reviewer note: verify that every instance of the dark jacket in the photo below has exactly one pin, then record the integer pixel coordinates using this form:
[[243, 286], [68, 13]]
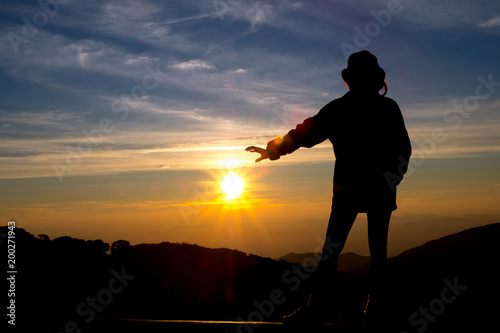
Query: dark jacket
[[370, 142]]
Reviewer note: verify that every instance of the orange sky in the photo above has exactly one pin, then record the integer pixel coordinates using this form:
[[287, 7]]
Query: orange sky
[[284, 207]]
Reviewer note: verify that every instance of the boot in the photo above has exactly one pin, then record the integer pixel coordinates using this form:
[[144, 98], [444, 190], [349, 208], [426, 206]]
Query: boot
[[310, 313]]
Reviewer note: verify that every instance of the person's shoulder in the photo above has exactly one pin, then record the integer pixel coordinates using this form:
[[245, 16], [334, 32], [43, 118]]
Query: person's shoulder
[[333, 104], [389, 101], [391, 108]]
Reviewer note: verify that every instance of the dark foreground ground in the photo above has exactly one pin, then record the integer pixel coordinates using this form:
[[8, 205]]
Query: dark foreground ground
[[152, 326], [74, 286], [172, 326]]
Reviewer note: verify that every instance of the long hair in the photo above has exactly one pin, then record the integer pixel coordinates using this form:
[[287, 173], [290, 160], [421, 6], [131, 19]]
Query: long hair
[[384, 86]]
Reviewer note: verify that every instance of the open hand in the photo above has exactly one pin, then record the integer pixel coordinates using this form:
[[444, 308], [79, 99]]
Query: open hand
[[263, 153]]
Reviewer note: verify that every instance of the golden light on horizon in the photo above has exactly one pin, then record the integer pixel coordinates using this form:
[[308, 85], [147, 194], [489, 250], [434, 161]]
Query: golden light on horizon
[[232, 185]]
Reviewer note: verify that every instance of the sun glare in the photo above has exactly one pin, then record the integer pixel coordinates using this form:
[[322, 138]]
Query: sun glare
[[232, 185]]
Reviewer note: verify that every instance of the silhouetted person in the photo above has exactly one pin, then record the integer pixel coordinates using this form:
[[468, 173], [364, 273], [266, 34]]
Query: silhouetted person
[[372, 150]]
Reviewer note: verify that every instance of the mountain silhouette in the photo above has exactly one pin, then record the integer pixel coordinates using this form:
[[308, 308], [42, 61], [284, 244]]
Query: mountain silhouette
[[57, 278], [348, 262], [420, 276]]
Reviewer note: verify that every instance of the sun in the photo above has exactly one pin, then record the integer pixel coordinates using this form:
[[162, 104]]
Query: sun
[[232, 185]]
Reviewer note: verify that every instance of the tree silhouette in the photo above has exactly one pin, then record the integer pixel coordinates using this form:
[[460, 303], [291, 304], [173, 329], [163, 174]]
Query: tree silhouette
[[98, 245], [119, 244], [44, 237]]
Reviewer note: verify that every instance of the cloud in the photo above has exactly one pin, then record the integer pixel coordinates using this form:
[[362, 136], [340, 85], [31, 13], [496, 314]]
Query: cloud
[[437, 15], [193, 64], [240, 73], [44, 118], [492, 22], [257, 13], [50, 53]]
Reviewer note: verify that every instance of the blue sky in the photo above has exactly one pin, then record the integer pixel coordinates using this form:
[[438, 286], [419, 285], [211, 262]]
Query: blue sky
[[97, 88], [223, 66]]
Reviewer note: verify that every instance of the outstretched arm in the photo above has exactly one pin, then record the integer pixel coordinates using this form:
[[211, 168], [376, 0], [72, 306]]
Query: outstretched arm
[[263, 153], [307, 134]]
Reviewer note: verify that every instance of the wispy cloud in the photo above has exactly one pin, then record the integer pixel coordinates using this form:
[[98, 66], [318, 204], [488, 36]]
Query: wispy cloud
[[224, 74], [255, 12], [492, 22]]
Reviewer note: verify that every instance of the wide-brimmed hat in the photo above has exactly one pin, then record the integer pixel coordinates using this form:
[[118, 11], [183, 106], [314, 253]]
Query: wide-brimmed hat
[[363, 65]]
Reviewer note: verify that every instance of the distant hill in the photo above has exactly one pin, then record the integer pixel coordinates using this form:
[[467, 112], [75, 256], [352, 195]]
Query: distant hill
[[411, 231], [61, 280], [347, 261], [58, 278], [421, 279]]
